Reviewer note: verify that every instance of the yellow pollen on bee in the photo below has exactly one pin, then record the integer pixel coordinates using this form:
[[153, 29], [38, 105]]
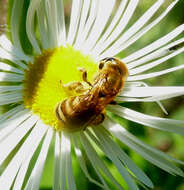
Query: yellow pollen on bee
[[43, 78]]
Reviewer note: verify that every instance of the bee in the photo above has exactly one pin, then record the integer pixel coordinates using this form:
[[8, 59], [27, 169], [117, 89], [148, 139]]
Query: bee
[[88, 108]]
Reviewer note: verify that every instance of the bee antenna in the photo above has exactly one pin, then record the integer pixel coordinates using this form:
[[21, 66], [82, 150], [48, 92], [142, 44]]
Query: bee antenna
[[108, 59]]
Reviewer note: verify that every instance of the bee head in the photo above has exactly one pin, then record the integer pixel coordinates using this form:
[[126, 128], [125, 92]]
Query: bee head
[[115, 64], [105, 61]]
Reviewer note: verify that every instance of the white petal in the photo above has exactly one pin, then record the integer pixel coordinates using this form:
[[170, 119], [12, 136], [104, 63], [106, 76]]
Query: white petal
[[137, 25], [23, 156], [52, 25], [16, 21], [94, 164], [113, 157], [51, 9], [110, 28], [120, 46], [7, 45], [10, 77], [66, 163], [83, 18], [150, 99], [43, 25], [22, 64], [34, 180], [97, 163], [154, 74], [156, 54], [9, 143], [74, 20], [171, 125], [10, 97], [99, 24], [5, 116], [57, 171], [156, 157], [141, 92], [123, 157], [11, 123], [69, 171], [155, 45], [61, 23], [34, 4], [155, 63], [129, 85], [89, 22], [7, 67], [11, 57], [135, 84], [81, 160], [8, 55], [10, 88], [167, 96], [63, 149], [122, 24]]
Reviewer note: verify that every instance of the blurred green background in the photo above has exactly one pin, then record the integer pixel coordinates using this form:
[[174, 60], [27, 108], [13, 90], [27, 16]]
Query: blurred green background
[[170, 143]]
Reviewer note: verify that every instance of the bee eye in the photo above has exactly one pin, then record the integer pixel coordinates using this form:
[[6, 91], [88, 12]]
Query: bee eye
[[103, 61], [109, 59], [120, 71], [101, 95], [101, 65]]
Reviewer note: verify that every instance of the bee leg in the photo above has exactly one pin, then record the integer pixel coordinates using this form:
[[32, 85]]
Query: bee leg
[[84, 75], [73, 87], [113, 102], [99, 119], [96, 121]]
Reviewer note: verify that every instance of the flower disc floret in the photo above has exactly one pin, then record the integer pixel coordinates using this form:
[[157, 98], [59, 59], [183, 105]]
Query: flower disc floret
[[44, 78]]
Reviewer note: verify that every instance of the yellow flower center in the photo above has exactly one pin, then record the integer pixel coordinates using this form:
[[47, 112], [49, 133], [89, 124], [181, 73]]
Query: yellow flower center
[[43, 88]]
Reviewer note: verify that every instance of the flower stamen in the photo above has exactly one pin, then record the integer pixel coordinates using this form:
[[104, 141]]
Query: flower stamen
[[42, 84]]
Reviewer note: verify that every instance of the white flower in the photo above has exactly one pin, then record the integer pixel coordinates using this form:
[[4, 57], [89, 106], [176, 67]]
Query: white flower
[[91, 33]]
